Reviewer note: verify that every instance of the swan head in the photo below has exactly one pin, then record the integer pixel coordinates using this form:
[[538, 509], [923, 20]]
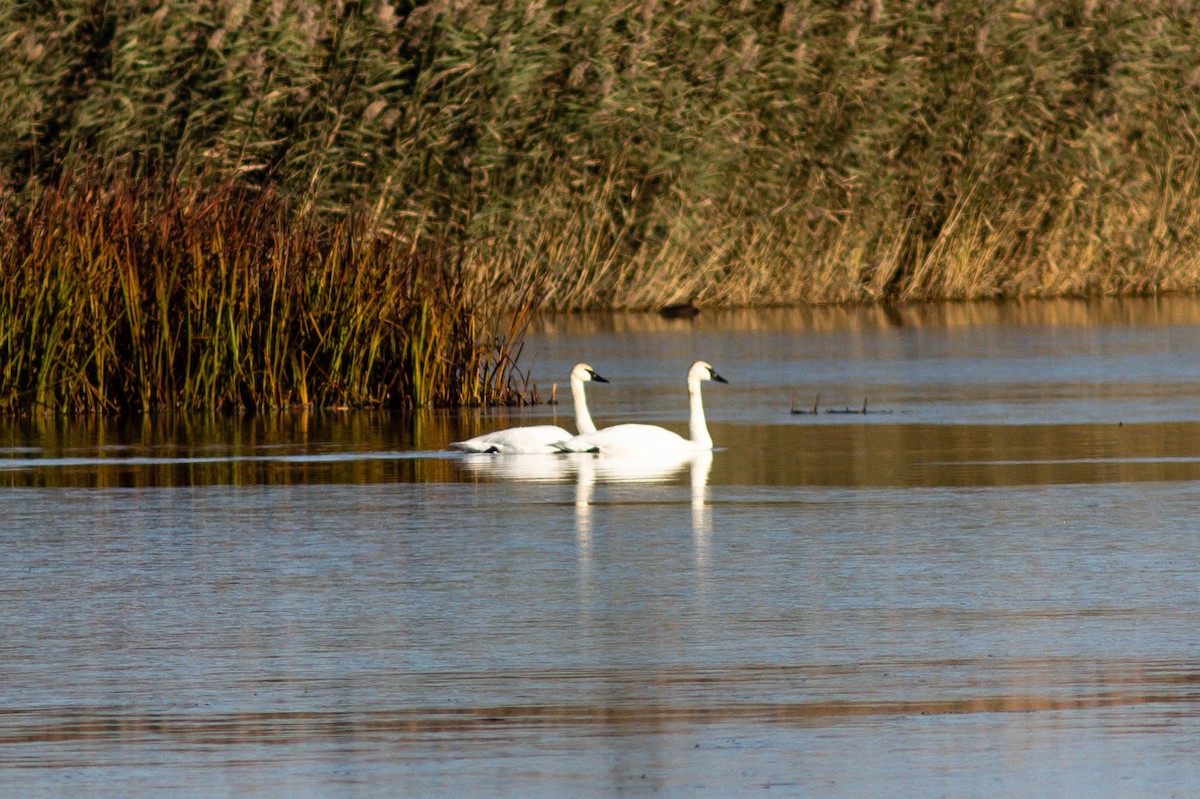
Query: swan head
[[585, 373], [702, 370]]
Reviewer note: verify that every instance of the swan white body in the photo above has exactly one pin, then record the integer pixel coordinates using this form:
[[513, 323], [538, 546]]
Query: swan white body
[[539, 438], [648, 438]]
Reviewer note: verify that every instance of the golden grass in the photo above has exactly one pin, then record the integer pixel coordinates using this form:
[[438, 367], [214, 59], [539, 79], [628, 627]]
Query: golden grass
[[614, 155]]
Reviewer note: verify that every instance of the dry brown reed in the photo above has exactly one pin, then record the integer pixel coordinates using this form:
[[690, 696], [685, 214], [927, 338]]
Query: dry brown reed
[[638, 154]]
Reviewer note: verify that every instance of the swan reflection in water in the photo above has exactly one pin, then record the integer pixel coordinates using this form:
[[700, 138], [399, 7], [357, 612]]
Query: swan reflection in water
[[589, 468], [532, 467]]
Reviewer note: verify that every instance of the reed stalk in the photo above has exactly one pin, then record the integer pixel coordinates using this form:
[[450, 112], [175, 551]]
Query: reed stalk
[[126, 295]]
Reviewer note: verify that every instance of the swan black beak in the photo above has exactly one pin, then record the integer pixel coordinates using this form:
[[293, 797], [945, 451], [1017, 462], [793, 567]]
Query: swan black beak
[[717, 377], [596, 376]]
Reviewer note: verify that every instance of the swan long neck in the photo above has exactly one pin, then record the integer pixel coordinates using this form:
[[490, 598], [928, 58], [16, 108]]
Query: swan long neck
[[697, 424], [583, 419]]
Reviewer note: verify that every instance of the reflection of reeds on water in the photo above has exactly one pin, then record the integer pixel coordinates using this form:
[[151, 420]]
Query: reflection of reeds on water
[[271, 448], [690, 697], [1161, 311]]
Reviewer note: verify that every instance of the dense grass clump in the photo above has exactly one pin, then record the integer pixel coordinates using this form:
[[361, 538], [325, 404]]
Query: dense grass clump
[[123, 295], [641, 152]]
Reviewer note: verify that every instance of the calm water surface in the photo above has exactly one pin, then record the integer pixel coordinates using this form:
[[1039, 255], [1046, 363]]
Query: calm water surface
[[988, 585]]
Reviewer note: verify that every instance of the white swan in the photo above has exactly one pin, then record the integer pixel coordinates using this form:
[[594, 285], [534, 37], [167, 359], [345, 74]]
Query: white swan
[[541, 437], [648, 438]]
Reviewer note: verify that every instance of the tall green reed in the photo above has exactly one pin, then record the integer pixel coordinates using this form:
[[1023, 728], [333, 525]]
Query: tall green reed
[[124, 294]]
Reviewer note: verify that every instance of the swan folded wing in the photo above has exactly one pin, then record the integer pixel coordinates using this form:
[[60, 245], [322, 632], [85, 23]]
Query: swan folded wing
[[630, 439], [538, 439], [517, 440]]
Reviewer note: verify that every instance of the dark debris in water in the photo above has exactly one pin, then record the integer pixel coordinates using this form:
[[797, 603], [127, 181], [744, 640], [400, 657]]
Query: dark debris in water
[[816, 409], [682, 310]]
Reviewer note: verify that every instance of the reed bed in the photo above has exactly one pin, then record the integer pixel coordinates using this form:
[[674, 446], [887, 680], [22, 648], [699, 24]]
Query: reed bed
[[126, 295], [639, 153]]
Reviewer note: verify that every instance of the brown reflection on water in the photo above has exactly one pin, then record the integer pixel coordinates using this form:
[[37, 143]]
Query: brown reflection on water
[[366, 447], [1061, 312], [956, 455], [209, 449], [1034, 686]]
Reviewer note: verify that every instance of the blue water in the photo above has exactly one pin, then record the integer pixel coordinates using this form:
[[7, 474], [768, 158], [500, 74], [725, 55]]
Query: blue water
[[993, 597]]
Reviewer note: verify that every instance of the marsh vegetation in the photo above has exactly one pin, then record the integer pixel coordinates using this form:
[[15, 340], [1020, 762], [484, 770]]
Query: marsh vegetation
[[220, 298], [558, 155]]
